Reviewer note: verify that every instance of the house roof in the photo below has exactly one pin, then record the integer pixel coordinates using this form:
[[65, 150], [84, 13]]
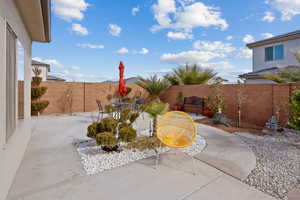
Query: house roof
[[271, 70], [36, 16], [40, 64], [280, 38], [54, 78]]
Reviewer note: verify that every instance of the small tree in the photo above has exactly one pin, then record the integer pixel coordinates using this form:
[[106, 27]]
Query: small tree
[[294, 117], [37, 105], [216, 100], [154, 109], [241, 99]]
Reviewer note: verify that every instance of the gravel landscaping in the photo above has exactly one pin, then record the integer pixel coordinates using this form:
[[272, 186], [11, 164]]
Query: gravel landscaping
[[278, 163], [95, 160]]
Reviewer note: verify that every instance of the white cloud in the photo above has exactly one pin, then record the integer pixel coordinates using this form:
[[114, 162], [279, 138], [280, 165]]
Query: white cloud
[[70, 9], [123, 50], [143, 51], [269, 17], [76, 68], [192, 57], [216, 46], [288, 8], [51, 62], [179, 35], [267, 35], [217, 65], [187, 15], [245, 53], [79, 29], [91, 46], [230, 37], [135, 10], [248, 39], [115, 30]]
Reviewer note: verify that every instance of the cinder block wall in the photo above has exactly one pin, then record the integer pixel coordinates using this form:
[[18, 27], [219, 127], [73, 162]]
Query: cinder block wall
[[262, 100], [84, 95]]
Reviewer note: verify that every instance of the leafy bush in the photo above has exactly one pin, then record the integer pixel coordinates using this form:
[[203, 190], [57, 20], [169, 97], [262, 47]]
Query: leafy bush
[[294, 118], [145, 143], [37, 92], [133, 117], [36, 81], [127, 134], [92, 130], [108, 109], [106, 139], [108, 124], [38, 106]]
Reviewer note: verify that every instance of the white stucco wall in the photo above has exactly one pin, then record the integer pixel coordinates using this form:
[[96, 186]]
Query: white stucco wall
[[44, 72], [12, 151], [289, 59]]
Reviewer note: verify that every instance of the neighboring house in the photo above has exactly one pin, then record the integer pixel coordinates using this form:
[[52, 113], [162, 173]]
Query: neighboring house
[[45, 68], [21, 22], [271, 54]]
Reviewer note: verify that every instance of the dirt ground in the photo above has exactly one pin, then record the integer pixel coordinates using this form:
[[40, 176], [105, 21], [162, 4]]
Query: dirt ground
[[248, 128]]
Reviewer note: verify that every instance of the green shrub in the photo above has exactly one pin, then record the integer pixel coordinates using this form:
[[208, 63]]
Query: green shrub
[[145, 143], [294, 117], [106, 139], [37, 92], [92, 130], [36, 81], [133, 117], [125, 115], [108, 124], [108, 109], [127, 134], [38, 106]]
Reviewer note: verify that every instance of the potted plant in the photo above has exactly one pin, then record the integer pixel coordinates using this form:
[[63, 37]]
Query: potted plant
[[208, 112], [179, 102]]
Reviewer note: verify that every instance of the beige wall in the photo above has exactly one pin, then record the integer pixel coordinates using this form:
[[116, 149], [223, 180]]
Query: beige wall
[[84, 95], [12, 151], [262, 100]]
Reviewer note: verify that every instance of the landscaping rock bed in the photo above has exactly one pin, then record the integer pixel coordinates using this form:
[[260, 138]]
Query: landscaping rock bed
[[95, 160], [278, 163]]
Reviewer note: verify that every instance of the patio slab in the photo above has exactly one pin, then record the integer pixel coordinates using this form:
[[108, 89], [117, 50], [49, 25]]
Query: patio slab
[[51, 170], [226, 152]]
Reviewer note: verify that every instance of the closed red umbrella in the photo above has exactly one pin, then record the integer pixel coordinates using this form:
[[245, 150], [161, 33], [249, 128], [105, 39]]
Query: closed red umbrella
[[122, 87]]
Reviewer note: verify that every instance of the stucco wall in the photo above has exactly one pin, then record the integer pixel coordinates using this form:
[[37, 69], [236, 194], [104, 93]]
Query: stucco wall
[[262, 100], [84, 95], [289, 59], [12, 151]]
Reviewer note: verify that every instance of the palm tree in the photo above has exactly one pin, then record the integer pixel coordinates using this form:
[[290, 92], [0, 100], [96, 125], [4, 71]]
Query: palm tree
[[154, 109], [285, 75], [154, 86], [190, 75]]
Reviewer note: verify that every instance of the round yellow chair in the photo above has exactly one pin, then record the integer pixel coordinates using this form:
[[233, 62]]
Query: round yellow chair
[[176, 130]]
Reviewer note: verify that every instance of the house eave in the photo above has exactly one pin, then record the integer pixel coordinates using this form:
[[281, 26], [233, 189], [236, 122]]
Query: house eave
[[276, 39], [36, 15]]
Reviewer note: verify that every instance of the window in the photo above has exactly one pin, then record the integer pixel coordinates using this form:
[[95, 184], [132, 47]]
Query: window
[[269, 54], [20, 72], [274, 53], [11, 76], [279, 52]]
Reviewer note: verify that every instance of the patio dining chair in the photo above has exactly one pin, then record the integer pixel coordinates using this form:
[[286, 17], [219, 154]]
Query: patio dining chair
[[100, 110], [176, 130]]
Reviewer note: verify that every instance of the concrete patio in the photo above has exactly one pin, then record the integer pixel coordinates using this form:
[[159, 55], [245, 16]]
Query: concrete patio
[[51, 169]]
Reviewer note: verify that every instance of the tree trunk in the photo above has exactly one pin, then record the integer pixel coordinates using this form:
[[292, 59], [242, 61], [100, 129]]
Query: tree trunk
[[154, 124]]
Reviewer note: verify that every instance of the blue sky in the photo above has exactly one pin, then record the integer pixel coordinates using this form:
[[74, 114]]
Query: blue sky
[[90, 37]]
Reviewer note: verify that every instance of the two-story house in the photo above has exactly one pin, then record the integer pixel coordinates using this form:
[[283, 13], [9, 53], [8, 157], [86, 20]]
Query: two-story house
[[45, 69], [272, 54]]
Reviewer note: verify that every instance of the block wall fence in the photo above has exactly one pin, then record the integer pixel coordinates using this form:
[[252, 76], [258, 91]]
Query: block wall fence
[[262, 100]]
